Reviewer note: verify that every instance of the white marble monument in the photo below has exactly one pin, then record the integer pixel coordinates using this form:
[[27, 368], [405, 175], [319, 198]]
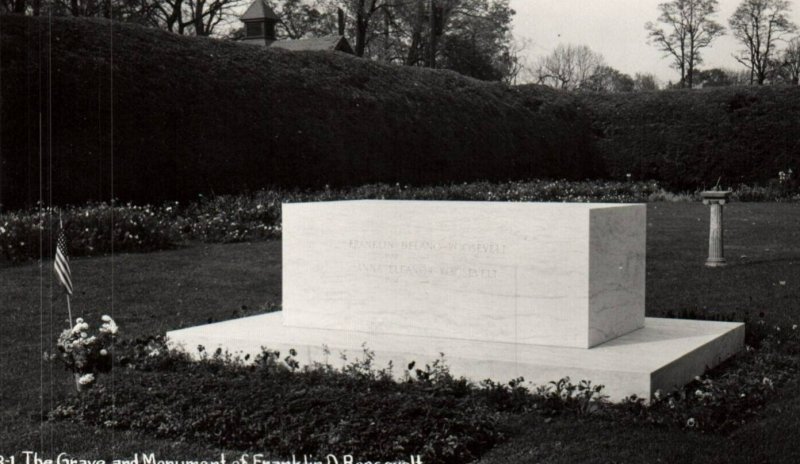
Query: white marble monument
[[534, 273], [537, 290]]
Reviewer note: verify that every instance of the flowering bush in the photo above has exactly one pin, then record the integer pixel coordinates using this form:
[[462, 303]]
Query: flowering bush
[[87, 355], [317, 410], [95, 228], [257, 216], [234, 218], [92, 229], [363, 410], [783, 188], [785, 177], [730, 395]]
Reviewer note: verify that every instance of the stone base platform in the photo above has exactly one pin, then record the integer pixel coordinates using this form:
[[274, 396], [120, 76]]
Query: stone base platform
[[665, 354]]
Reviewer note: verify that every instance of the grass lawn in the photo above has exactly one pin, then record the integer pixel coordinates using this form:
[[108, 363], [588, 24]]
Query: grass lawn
[[153, 293]]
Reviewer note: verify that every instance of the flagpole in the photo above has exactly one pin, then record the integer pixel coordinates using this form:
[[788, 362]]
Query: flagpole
[[69, 310], [63, 273]]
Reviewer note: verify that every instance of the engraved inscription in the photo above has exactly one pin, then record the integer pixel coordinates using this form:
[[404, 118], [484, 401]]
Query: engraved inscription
[[381, 258], [485, 248]]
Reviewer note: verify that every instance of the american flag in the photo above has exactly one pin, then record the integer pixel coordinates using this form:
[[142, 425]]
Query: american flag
[[61, 262]]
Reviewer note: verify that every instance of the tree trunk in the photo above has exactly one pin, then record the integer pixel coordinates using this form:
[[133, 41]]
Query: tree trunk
[[432, 42], [416, 36], [386, 36], [197, 20], [361, 34]]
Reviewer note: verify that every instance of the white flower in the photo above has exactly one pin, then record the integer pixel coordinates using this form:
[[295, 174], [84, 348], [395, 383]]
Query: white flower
[[79, 320], [691, 422], [109, 328], [794, 327], [2, 230], [103, 352], [84, 335], [86, 379], [106, 318], [699, 393], [767, 381]]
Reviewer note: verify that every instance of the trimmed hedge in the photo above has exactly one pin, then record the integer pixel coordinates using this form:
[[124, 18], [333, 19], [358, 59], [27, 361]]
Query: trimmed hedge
[[146, 116], [687, 139]]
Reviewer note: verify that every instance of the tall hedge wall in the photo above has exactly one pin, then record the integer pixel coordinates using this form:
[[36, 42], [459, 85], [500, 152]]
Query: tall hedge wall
[[691, 138], [91, 110]]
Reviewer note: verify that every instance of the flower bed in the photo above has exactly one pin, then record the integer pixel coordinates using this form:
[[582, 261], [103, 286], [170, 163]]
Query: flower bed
[[93, 229], [362, 410], [97, 228]]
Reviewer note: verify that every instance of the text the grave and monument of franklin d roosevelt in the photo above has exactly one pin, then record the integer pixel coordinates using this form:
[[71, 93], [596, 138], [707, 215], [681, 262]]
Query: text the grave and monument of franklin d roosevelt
[[504, 290]]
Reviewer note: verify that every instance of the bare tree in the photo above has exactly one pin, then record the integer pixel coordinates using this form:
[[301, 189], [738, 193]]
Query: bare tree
[[688, 28], [303, 18], [568, 67], [426, 21], [791, 61], [609, 80], [516, 64], [759, 25], [194, 17], [363, 15], [645, 81], [470, 36]]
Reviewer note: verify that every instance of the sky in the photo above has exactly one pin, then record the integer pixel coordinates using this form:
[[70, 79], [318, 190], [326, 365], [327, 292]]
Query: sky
[[615, 29]]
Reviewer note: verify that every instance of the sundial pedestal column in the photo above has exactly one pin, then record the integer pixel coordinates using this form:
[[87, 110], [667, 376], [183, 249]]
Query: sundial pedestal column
[[715, 200]]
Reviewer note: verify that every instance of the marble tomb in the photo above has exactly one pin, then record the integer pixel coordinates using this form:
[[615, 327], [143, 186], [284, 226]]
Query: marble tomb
[[504, 290]]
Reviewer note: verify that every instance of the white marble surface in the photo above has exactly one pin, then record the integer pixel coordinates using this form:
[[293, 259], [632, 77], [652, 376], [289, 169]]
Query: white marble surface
[[616, 272], [562, 274], [665, 354]]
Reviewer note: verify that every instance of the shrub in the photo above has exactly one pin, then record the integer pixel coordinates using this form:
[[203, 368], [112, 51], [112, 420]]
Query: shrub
[[314, 411], [378, 414], [257, 216], [201, 116], [92, 229], [87, 356], [729, 396], [689, 138]]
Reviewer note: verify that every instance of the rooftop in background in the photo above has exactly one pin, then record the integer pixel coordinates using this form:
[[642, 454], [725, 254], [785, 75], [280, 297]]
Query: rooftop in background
[[259, 29], [326, 43], [259, 10]]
